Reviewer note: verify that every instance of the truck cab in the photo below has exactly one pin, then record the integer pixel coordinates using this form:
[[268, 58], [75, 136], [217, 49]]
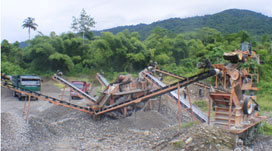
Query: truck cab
[[82, 85], [26, 83]]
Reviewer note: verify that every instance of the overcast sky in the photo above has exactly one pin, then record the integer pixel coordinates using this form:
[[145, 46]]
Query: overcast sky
[[56, 15]]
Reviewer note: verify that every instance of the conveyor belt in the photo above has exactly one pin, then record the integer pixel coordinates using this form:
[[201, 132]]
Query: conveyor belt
[[102, 79], [158, 92], [106, 109], [77, 90], [182, 78], [185, 103], [7, 84]]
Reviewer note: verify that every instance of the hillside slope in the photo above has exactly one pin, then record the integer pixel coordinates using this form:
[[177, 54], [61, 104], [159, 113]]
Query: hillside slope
[[228, 21]]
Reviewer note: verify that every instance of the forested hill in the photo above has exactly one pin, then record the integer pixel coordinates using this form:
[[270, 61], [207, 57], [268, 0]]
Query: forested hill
[[228, 21]]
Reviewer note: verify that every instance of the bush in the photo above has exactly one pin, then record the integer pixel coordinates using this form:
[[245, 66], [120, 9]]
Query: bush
[[11, 69], [265, 129]]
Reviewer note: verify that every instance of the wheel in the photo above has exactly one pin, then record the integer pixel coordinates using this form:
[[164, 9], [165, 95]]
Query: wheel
[[248, 106], [21, 98], [14, 94]]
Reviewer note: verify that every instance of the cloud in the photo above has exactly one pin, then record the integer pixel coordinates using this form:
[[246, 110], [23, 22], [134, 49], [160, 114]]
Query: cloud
[[56, 15]]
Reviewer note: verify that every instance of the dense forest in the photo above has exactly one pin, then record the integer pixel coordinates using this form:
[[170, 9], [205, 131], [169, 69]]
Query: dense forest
[[228, 21], [72, 54]]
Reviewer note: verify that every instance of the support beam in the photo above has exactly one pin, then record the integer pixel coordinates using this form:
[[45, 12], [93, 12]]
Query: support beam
[[28, 108], [179, 109], [63, 93], [24, 107]]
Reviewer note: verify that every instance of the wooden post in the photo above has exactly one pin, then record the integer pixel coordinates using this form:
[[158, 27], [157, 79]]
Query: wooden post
[[24, 107], [111, 100], [230, 107], [150, 105], [191, 106], [209, 112], [159, 108], [63, 93], [225, 80], [179, 109], [216, 82], [125, 111], [28, 108]]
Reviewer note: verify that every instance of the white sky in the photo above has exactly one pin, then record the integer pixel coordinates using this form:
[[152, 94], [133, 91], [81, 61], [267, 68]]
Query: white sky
[[56, 15]]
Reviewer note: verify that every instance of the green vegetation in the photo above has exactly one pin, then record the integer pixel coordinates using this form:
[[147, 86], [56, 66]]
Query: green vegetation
[[227, 22], [189, 124], [83, 24], [202, 104], [30, 24], [265, 129], [178, 144], [60, 86]]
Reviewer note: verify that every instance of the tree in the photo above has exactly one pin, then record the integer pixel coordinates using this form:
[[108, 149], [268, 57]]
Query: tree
[[209, 35], [30, 24], [245, 37], [83, 24]]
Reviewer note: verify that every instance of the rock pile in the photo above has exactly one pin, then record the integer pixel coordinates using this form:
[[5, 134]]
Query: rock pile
[[14, 132], [205, 137]]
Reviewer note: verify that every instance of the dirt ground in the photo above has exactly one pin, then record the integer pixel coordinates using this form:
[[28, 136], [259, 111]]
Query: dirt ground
[[52, 127]]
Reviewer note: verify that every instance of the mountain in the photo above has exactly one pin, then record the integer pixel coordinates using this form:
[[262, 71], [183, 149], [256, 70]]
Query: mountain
[[228, 21], [23, 44]]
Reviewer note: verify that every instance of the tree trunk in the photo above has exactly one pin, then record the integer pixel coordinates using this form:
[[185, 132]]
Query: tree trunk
[[29, 33]]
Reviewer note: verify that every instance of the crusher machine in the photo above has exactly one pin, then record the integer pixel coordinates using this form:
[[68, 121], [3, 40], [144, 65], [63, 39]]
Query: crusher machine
[[233, 96], [237, 108]]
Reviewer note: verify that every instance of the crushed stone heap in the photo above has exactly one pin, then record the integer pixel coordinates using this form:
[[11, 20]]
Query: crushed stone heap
[[206, 137]]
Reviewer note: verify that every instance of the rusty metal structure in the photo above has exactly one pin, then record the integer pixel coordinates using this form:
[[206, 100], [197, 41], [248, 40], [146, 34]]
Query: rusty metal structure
[[233, 97], [79, 92], [119, 98], [186, 104], [237, 108]]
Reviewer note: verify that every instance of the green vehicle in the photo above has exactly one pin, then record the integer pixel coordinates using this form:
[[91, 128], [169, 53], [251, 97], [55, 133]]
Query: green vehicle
[[28, 82]]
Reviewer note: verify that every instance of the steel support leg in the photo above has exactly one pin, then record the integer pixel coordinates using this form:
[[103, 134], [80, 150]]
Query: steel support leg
[[179, 109], [24, 107], [28, 108]]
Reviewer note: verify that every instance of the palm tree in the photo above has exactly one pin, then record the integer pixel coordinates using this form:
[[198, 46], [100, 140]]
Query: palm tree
[[30, 24]]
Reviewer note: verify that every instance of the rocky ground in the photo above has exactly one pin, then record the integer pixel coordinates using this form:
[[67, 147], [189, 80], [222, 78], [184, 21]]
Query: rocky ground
[[52, 127]]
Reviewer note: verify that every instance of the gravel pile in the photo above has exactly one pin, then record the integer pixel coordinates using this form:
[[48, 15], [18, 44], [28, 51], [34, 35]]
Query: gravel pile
[[60, 128], [14, 132], [205, 137], [262, 143]]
